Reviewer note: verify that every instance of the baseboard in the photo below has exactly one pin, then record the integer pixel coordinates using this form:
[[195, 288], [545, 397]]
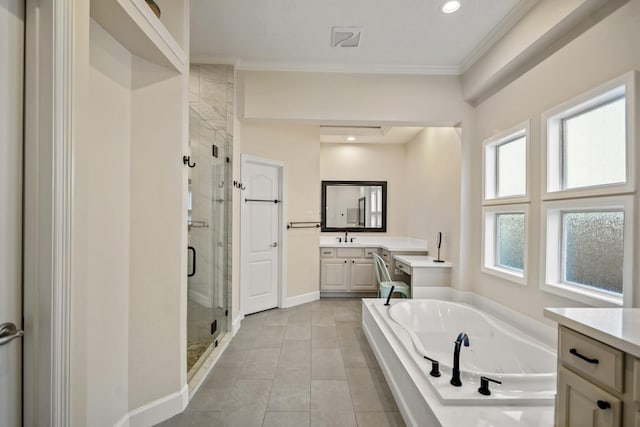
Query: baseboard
[[200, 298], [302, 299], [235, 326], [156, 411]]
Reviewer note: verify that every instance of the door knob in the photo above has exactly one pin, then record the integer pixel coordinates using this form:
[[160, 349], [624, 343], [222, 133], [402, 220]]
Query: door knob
[[274, 245], [9, 332]]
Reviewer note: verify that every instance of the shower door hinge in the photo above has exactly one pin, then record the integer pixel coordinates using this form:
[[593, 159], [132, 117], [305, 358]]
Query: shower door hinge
[[226, 313], [214, 327]]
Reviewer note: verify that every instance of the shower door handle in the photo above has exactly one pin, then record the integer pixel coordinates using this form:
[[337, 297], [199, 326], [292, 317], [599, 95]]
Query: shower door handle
[[193, 271]]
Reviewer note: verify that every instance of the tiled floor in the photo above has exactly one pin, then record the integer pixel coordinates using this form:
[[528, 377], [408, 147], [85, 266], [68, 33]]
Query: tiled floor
[[309, 365]]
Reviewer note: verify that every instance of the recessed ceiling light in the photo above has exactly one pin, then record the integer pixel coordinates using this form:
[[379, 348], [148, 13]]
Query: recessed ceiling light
[[451, 6], [351, 138]]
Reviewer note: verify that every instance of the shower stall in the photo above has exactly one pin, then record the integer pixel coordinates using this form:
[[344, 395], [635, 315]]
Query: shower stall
[[209, 231]]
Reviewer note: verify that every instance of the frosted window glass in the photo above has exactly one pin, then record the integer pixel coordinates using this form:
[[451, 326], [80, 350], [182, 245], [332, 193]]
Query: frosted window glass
[[511, 168], [594, 146], [510, 241], [593, 249]]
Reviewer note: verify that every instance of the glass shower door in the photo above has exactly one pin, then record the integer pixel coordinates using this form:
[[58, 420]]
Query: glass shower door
[[208, 235]]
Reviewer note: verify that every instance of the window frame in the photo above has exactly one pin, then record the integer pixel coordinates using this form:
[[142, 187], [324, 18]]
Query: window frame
[[552, 253], [552, 122], [490, 165], [489, 242]]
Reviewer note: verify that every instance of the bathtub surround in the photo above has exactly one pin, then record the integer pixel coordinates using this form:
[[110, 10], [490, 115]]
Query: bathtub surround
[[429, 400]]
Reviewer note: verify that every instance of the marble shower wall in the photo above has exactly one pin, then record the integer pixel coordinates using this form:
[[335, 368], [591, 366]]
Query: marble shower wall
[[211, 90]]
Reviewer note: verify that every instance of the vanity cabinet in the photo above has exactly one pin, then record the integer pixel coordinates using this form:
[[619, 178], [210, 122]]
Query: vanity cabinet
[[597, 383], [347, 270]]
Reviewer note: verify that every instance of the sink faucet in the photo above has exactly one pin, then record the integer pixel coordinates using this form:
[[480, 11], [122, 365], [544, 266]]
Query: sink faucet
[[346, 234], [462, 338]]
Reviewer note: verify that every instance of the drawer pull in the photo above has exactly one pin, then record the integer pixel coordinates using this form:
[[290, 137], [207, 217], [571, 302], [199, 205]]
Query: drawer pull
[[327, 253], [603, 404], [585, 358]]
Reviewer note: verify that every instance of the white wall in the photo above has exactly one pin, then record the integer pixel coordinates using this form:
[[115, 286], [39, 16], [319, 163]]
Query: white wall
[[298, 146], [607, 50], [370, 162], [432, 192]]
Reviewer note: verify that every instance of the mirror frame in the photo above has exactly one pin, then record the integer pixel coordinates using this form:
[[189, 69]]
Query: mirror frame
[[323, 207]]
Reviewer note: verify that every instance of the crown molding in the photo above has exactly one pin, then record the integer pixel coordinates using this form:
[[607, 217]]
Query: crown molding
[[318, 67]]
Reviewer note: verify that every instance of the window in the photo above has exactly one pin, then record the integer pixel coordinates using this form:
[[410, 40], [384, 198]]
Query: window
[[505, 232], [505, 169], [588, 248], [589, 144], [505, 166], [590, 179]]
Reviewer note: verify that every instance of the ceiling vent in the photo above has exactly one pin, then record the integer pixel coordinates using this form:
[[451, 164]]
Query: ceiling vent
[[345, 36]]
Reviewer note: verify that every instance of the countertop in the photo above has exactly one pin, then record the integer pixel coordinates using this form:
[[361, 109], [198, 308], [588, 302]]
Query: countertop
[[421, 261], [393, 244], [617, 327]]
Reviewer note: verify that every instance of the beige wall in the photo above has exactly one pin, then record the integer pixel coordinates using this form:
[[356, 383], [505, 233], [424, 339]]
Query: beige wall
[[432, 192], [370, 162], [106, 203], [288, 98], [607, 50], [298, 146]]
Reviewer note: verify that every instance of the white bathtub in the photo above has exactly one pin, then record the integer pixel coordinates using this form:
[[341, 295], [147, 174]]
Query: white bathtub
[[527, 368]]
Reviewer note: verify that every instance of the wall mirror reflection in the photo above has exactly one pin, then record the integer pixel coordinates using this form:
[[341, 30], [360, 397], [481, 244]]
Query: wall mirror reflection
[[354, 206]]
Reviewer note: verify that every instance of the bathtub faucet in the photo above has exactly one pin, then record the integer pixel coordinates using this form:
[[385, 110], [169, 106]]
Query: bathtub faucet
[[462, 339]]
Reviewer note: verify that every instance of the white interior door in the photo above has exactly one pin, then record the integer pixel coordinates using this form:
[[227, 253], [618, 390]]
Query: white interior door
[[11, 97], [261, 225]]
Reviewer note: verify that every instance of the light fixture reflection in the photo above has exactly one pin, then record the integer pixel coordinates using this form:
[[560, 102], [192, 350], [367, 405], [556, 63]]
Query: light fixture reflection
[[450, 6], [351, 138]]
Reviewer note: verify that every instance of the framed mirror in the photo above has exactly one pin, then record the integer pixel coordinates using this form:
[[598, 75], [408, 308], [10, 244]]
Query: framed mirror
[[354, 206]]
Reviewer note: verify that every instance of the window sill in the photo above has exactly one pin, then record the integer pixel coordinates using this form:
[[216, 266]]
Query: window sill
[[506, 200], [585, 296], [594, 191], [505, 274]]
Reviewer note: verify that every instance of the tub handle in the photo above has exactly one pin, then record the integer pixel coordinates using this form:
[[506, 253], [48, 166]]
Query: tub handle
[[435, 367], [484, 385], [583, 357]]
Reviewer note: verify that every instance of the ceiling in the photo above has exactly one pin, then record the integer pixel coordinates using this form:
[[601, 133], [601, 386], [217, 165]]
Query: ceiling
[[403, 36]]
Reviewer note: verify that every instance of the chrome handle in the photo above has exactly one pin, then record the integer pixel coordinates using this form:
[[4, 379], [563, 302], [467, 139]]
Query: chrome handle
[[274, 245], [9, 332]]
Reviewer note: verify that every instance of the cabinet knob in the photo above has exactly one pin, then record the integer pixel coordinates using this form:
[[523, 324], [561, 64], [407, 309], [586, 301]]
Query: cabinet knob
[[345, 261], [353, 261], [603, 404]]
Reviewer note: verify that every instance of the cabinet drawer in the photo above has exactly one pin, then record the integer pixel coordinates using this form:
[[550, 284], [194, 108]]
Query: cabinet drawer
[[386, 255], [368, 252], [403, 267], [327, 252], [349, 252], [591, 358]]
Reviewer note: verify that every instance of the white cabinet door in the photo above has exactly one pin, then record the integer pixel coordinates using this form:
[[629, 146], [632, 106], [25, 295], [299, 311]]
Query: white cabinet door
[[334, 274], [11, 78], [582, 404], [362, 275]]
